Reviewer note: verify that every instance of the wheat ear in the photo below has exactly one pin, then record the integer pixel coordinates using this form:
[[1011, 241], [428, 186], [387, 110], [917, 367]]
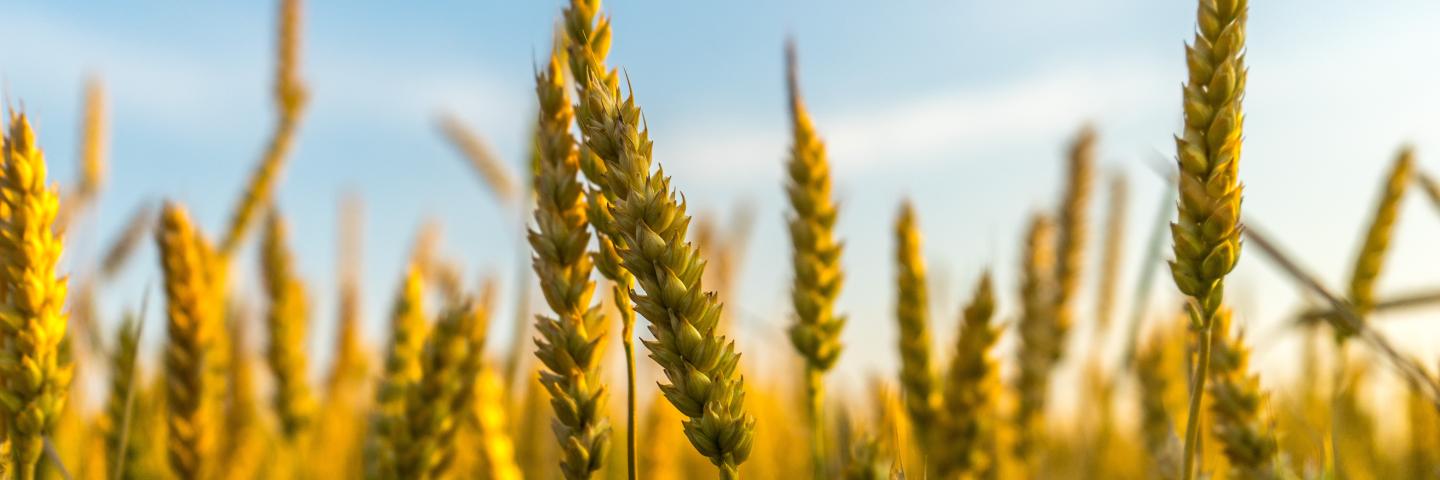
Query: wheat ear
[[1154, 364], [571, 342], [1371, 257], [1072, 232], [36, 369], [493, 172], [1040, 339], [401, 371], [1206, 236], [1114, 251], [291, 96], [350, 367], [194, 316], [434, 406], [971, 390], [701, 366], [121, 459], [815, 257], [1236, 402], [912, 312], [587, 42], [497, 450], [287, 322]]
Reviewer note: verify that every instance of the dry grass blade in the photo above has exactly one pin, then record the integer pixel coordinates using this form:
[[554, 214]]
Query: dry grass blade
[[493, 173], [1410, 370]]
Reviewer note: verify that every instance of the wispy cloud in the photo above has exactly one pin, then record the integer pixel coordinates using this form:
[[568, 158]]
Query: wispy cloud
[[936, 125]]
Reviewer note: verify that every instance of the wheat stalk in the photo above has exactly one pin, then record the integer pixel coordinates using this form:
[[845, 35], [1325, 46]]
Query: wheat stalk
[[401, 370], [434, 405], [815, 257], [287, 322], [1207, 235], [912, 312], [1236, 402], [571, 342], [1040, 338], [36, 369], [194, 317], [291, 96], [971, 389], [1371, 256]]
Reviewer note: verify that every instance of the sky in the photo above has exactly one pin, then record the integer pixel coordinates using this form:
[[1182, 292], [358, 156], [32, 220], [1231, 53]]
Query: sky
[[965, 108]]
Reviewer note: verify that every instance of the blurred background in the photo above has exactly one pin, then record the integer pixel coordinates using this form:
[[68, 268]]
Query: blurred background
[[964, 107]]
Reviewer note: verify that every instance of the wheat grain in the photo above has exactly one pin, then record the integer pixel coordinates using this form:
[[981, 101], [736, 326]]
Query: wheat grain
[[571, 342], [287, 322], [1206, 237], [36, 369], [971, 388], [194, 316], [912, 312], [1371, 257], [815, 258]]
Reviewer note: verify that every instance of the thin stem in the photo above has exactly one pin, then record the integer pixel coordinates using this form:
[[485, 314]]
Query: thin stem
[[815, 393], [1192, 424], [630, 405]]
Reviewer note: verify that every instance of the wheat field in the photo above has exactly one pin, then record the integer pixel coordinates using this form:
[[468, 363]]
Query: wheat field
[[629, 357]]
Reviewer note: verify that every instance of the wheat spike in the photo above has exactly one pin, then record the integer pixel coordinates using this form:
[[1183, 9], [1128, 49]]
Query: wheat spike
[[401, 370], [287, 322], [571, 342], [971, 390], [700, 365], [36, 368], [291, 95], [242, 443], [1040, 338], [350, 368], [1371, 256], [1236, 402], [434, 405], [1114, 251], [1155, 362], [912, 311], [194, 314], [1072, 232], [815, 257], [122, 458], [92, 150], [586, 40], [497, 450], [1206, 236]]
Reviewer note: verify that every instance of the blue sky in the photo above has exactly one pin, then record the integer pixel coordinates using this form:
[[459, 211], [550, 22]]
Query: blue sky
[[964, 107]]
